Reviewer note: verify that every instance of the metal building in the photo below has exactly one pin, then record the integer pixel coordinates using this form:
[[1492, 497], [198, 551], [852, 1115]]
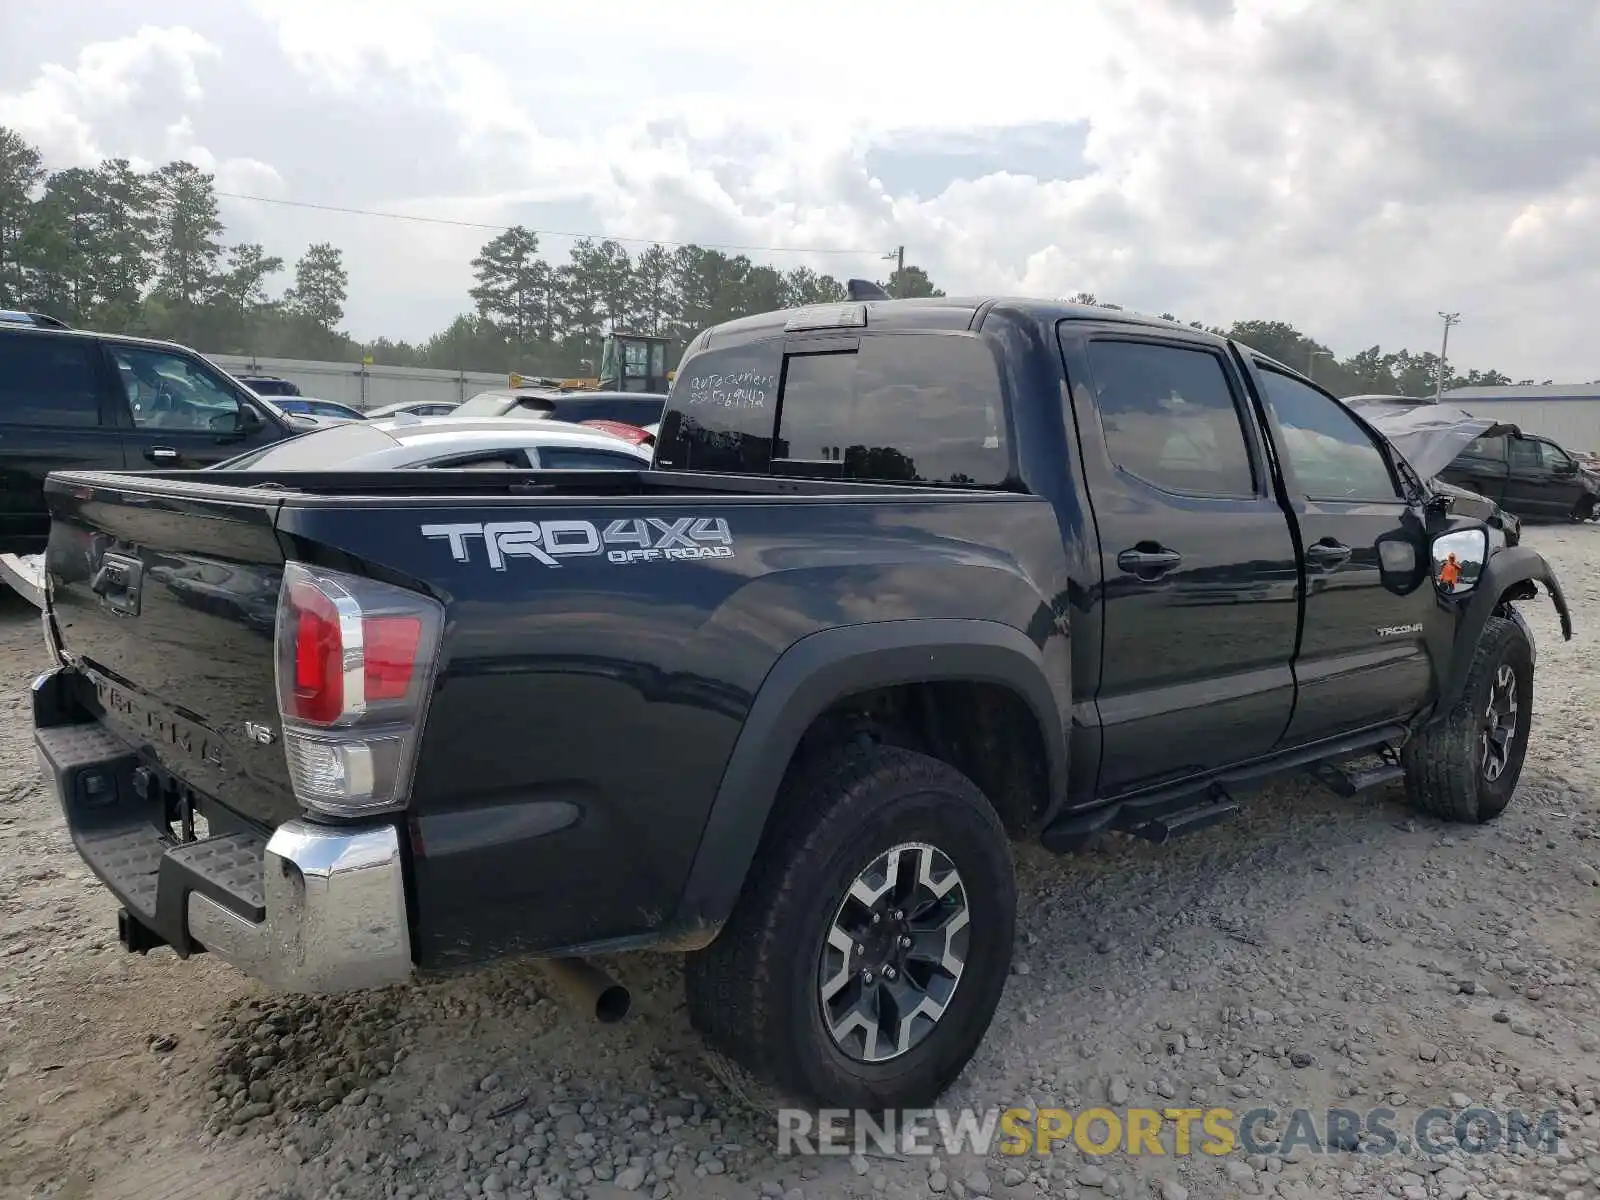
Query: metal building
[[1567, 414], [363, 386]]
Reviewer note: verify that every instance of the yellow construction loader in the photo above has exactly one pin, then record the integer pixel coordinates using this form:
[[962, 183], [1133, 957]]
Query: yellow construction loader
[[629, 362]]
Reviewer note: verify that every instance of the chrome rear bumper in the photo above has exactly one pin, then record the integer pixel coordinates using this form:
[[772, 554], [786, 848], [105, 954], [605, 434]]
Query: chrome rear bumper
[[335, 913]]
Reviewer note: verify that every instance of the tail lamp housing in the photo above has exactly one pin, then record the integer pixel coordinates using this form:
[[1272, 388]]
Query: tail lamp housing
[[355, 664]]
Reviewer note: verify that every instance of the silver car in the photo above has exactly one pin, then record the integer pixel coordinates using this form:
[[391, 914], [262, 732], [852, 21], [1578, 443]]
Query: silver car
[[417, 408], [457, 442]]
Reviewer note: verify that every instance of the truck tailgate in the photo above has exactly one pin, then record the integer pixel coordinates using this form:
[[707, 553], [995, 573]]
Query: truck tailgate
[[167, 602]]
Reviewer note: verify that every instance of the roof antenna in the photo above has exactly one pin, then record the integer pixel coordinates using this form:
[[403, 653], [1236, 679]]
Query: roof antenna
[[864, 289]]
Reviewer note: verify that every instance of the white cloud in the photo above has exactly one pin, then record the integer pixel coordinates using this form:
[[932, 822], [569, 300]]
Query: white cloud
[[1351, 167], [62, 107]]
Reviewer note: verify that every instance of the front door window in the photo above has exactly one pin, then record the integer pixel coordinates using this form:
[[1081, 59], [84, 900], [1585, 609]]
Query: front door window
[[170, 391]]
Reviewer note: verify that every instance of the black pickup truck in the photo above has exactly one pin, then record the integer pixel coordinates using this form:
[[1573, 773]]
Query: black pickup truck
[[1530, 476], [908, 580]]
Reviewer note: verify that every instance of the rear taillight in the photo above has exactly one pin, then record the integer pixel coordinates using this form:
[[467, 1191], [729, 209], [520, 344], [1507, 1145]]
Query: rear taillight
[[629, 433], [355, 664]]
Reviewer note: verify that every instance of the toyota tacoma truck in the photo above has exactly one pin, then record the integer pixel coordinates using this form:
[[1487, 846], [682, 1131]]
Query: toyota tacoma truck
[[906, 581]]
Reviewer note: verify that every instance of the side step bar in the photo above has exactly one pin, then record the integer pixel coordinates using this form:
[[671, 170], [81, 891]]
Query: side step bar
[[1157, 819], [1191, 806], [1349, 781], [1215, 810]]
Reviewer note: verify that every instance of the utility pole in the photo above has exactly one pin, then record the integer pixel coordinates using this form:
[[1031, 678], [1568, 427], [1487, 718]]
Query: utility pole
[[898, 257], [1444, 353]]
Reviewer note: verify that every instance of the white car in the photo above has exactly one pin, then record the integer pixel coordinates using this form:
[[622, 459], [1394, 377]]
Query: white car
[[406, 442], [417, 408], [324, 412]]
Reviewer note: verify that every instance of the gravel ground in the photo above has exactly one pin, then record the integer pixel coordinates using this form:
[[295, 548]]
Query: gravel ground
[[1314, 953]]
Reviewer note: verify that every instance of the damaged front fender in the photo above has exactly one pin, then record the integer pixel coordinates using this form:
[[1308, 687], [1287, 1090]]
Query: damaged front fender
[[1510, 574]]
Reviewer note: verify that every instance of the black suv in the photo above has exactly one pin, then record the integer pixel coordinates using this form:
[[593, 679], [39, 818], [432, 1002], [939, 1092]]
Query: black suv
[[1527, 475], [72, 399], [269, 385]]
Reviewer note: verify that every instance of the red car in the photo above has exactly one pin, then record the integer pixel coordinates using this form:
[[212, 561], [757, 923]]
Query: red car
[[637, 434]]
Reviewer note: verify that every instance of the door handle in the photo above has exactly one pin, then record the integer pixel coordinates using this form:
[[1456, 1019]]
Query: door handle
[[1327, 553], [1148, 560], [161, 454]]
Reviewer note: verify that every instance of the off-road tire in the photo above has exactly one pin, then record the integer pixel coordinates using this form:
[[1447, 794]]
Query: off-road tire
[[1443, 763], [753, 993], [1586, 509]]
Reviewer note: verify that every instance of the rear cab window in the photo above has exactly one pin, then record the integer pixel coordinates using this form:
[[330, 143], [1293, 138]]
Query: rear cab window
[[885, 408]]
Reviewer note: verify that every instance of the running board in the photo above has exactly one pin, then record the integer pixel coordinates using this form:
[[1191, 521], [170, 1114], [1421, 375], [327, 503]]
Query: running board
[[1350, 782], [1155, 819], [1215, 808], [1193, 805]]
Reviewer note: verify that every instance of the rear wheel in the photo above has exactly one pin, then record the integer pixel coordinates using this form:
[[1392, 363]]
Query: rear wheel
[[1465, 766], [867, 954]]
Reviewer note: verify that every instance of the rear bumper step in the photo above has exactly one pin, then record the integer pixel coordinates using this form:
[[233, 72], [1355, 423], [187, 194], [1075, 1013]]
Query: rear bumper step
[[313, 908]]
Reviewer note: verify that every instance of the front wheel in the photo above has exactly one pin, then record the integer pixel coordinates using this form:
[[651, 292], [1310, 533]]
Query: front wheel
[[867, 954], [1465, 766]]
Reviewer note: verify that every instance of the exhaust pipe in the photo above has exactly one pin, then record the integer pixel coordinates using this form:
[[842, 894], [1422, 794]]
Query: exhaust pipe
[[590, 989]]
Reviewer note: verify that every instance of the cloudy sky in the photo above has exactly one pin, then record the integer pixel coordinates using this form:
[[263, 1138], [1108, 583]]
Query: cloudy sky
[[1353, 166]]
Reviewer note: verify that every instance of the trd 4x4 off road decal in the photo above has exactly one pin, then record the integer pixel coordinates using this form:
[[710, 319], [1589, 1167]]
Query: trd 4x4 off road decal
[[628, 540]]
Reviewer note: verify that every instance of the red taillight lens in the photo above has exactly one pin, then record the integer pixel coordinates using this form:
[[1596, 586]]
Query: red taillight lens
[[390, 650], [355, 660], [630, 433], [318, 694]]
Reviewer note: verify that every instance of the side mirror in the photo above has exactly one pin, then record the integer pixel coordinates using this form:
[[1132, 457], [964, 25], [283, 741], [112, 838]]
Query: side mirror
[[249, 419], [1458, 559], [1566, 466]]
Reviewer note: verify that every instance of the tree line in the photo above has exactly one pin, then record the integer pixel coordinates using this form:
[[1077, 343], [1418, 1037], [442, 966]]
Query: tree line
[[109, 247]]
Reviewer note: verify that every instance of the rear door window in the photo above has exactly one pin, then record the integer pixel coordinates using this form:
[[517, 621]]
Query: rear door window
[[1491, 448], [1525, 455], [1171, 418], [574, 458], [496, 460], [49, 382]]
